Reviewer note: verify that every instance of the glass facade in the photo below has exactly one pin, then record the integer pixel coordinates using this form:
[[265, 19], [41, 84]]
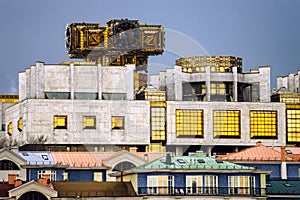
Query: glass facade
[[158, 123], [263, 124], [293, 125], [241, 184], [189, 123], [226, 123]]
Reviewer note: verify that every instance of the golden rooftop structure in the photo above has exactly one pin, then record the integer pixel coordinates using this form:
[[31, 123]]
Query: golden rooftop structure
[[120, 42]]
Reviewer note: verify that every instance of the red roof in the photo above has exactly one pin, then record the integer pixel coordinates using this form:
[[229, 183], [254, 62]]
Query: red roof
[[77, 159], [257, 153]]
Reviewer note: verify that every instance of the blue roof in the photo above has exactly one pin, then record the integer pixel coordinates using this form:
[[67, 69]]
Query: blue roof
[[37, 158]]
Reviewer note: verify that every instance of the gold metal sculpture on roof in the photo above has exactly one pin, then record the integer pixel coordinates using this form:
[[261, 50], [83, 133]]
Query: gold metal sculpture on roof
[[120, 42]]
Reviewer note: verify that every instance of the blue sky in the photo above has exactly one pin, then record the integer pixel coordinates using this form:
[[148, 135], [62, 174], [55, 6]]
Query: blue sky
[[261, 32]]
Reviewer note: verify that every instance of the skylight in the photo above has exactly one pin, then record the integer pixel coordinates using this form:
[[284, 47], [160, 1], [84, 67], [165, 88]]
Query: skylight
[[219, 161], [45, 157], [181, 161], [25, 154], [201, 161], [288, 151]]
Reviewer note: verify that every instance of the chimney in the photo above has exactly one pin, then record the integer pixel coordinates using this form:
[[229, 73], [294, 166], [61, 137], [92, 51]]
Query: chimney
[[18, 182], [283, 156], [12, 178], [168, 159], [258, 143], [133, 149]]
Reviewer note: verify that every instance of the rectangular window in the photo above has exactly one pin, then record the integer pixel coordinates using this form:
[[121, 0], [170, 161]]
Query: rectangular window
[[211, 184], [189, 123], [263, 124], [193, 184], [81, 95], [65, 176], [52, 174], [158, 120], [114, 96], [89, 122], [241, 184], [293, 125], [60, 122], [226, 123], [218, 88], [98, 176], [20, 124], [10, 128], [57, 95], [117, 122], [160, 184]]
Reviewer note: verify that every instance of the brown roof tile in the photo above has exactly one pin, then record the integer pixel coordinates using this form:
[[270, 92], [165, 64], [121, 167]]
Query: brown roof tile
[[94, 189]]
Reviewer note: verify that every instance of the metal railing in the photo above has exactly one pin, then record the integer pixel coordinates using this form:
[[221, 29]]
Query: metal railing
[[231, 191]]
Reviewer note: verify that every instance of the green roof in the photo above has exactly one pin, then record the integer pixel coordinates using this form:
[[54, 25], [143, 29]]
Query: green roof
[[283, 187], [195, 162]]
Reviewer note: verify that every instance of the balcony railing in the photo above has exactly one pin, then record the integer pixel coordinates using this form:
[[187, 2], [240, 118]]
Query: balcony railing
[[232, 191]]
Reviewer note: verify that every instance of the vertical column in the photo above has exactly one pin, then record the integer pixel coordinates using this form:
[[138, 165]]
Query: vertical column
[[207, 82], [22, 86], [129, 81], [291, 82], [235, 84], [33, 82], [264, 83], [72, 82], [179, 151], [178, 83], [40, 80], [99, 82]]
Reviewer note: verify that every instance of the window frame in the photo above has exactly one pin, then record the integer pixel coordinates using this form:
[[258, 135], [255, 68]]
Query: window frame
[[113, 127], [224, 117], [181, 126], [258, 130], [59, 117], [85, 123]]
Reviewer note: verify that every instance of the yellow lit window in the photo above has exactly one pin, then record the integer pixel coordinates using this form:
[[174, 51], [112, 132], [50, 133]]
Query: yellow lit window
[[98, 176], [293, 125], [226, 123], [89, 122], [263, 124], [155, 147], [20, 124], [158, 126], [218, 88], [60, 122], [10, 128], [117, 122], [189, 123]]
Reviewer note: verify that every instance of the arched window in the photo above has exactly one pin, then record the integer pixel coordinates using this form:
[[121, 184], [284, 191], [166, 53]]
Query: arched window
[[8, 165], [123, 166], [33, 195]]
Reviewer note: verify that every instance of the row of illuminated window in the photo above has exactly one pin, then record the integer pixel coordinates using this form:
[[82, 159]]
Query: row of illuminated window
[[85, 96], [88, 122], [198, 184], [65, 176], [226, 123], [61, 122]]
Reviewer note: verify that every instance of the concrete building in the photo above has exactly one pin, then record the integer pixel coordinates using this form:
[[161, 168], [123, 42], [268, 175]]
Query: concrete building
[[291, 82], [217, 108], [212, 103], [79, 104]]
